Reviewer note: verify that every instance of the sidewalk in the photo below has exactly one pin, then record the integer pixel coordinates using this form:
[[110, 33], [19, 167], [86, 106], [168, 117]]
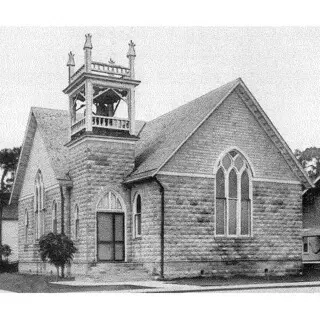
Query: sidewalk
[[5, 291], [166, 287]]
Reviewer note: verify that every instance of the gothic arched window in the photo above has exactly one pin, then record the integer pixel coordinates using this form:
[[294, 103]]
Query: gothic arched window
[[233, 196], [137, 216], [39, 205]]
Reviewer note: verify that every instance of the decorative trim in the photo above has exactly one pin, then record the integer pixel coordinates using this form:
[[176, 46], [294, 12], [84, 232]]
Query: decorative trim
[[181, 174], [276, 181], [247, 96], [74, 143], [212, 176]]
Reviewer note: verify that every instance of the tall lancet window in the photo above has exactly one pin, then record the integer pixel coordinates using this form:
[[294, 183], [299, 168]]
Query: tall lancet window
[[39, 205], [233, 196]]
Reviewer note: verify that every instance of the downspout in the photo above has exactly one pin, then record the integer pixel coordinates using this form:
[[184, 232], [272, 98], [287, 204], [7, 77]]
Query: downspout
[[69, 212], [62, 209], [161, 228]]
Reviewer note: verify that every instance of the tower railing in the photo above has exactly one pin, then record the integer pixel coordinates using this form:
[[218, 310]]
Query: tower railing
[[110, 69], [77, 73], [100, 67], [102, 122]]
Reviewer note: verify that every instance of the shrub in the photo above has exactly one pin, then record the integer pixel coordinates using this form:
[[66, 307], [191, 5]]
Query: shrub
[[5, 251], [58, 250]]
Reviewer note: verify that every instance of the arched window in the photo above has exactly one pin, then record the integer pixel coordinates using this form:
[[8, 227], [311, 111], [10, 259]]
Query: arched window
[[137, 217], [54, 217], [109, 202], [26, 225], [233, 196], [76, 222], [39, 205]]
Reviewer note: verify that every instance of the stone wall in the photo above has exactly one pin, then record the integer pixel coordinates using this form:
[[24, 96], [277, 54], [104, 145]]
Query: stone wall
[[29, 259], [98, 166], [191, 248], [146, 249]]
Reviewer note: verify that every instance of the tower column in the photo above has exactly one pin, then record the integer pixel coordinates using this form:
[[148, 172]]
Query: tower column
[[89, 101], [132, 111]]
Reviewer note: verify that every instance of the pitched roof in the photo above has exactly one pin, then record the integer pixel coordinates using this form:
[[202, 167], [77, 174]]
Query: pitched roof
[[53, 125], [161, 136]]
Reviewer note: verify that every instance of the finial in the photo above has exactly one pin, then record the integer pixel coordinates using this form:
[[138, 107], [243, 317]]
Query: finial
[[88, 44], [111, 61], [131, 51], [70, 62]]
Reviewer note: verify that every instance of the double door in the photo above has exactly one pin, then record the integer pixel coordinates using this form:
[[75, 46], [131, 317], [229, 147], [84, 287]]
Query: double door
[[110, 236]]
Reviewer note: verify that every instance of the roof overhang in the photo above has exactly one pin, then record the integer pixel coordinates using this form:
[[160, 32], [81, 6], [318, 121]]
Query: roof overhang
[[112, 82]]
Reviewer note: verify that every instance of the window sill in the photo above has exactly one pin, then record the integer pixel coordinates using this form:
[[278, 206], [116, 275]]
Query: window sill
[[233, 237], [137, 238]]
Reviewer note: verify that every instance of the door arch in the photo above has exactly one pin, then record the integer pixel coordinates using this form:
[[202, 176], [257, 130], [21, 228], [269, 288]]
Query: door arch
[[110, 221]]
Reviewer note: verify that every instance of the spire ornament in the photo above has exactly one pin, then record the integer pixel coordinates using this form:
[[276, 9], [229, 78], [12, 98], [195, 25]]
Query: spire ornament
[[131, 51], [88, 43], [71, 62]]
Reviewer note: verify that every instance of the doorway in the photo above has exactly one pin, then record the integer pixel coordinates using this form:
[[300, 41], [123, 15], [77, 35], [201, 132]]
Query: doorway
[[110, 236]]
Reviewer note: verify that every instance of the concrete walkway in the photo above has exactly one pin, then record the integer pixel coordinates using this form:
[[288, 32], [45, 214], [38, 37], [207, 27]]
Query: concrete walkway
[[165, 287], [5, 291]]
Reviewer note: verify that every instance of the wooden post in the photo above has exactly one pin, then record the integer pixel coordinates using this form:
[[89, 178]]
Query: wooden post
[[89, 99], [132, 111]]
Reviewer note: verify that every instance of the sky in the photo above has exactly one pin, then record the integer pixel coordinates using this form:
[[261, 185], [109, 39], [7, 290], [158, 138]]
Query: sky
[[280, 65]]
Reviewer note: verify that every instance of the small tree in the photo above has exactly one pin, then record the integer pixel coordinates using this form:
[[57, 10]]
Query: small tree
[[58, 249]]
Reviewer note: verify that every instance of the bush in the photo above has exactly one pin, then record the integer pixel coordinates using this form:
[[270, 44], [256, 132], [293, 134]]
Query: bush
[[58, 250], [9, 267], [5, 251]]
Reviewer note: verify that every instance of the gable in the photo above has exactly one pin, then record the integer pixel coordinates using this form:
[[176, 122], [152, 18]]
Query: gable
[[38, 159], [161, 136], [231, 125]]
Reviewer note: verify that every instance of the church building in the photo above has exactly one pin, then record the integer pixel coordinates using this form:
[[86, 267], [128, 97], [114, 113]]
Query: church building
[[210, 188]]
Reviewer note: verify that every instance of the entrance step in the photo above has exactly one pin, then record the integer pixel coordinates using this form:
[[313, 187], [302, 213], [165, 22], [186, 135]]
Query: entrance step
[[116, 272]]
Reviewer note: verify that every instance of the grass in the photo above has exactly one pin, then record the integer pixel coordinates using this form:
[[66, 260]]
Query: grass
[[29, 283]]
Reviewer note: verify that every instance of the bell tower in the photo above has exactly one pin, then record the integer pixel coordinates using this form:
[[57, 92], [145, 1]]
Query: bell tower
[[101, 96], [101, 150]]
